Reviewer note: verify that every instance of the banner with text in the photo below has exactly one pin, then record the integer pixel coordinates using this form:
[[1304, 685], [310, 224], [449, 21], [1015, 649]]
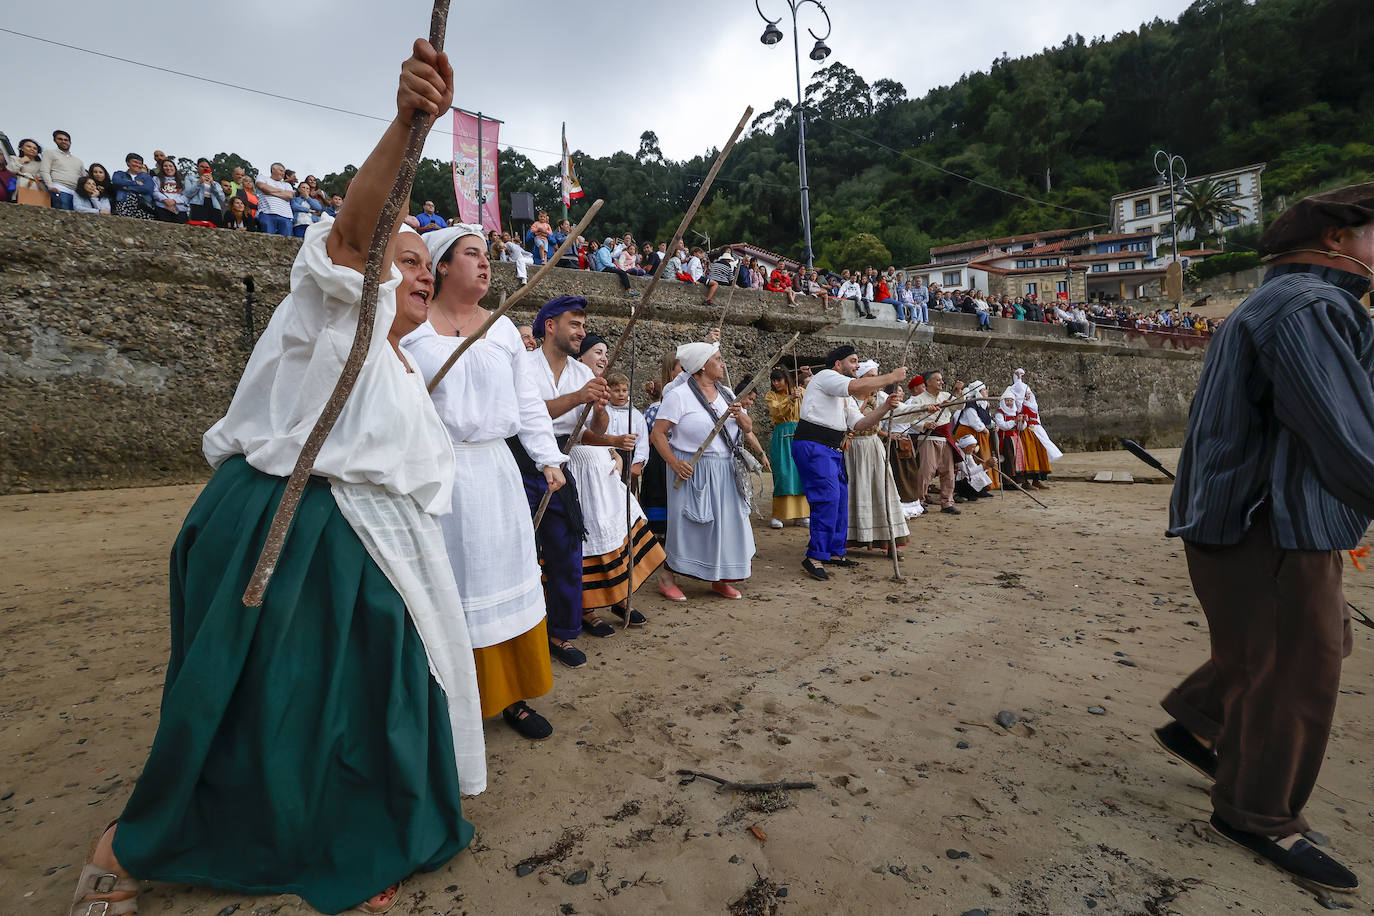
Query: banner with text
[[475, 146]]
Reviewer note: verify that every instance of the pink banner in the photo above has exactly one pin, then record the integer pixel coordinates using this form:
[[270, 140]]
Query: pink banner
[[467, 152]]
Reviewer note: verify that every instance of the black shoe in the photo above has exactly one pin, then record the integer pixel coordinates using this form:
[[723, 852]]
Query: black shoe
[[526, 722], [815, 570], [571, 656], [1303, 861], [842, 561], [1180, 742], [636, 619], [952, 510], [598, 628]]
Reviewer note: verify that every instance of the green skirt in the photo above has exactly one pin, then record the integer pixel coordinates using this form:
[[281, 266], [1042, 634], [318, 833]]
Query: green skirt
[[303, 747], [786, 478]]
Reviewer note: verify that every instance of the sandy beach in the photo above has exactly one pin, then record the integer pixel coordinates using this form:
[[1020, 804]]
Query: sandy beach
[[1075, 619]]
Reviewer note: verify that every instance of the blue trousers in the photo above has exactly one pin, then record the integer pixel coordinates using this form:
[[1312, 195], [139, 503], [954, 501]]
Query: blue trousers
[[560, 556], [271, 224], [827, 492]]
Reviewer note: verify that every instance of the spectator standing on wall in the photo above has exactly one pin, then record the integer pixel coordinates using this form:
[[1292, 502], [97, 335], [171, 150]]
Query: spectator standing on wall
[[102, 181], [26, 167], [335, 205], [134, 189], [274, 202], [301, 216], [541, 233], [171, 205], [89, 199], [429, 220], [205, 196], [238, 218], [61, 171]]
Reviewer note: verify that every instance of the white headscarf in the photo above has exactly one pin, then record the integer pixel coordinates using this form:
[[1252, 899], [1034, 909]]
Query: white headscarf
[[1018, 387], [1009, 395], [865, 367], [441, 240], [694, 355]]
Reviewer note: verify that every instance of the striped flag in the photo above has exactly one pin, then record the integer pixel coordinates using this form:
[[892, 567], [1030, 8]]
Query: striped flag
[[571, 189]]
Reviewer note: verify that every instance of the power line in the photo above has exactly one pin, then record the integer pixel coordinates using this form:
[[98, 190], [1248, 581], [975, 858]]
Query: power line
[[296, 101], [982, 184]]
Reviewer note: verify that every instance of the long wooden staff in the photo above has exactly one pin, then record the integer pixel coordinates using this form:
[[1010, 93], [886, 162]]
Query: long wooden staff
[[1009, 479], [629, 479], [653, 285], [519, 294], [362, 339], [720, 325], [739, 396], [887, 473]]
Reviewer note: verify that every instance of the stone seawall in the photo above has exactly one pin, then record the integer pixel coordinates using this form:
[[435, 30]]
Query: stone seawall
[[122, 341]]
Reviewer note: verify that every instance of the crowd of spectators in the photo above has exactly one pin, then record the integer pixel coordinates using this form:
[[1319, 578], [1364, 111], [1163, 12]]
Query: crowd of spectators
[[277, 203], [280, 204]]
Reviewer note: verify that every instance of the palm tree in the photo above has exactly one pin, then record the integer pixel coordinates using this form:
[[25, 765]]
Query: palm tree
[[1204, 204]]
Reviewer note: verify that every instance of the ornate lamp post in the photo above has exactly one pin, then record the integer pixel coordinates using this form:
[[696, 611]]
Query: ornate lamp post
[[771, 36], [1174, 172]]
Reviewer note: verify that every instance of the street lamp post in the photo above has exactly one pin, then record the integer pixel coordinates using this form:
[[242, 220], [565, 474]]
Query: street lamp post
[[1175, 172], [771, 36]]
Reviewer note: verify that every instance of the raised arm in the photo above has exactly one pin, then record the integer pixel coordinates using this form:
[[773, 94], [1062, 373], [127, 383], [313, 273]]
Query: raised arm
[[426, 85], [861, 388]]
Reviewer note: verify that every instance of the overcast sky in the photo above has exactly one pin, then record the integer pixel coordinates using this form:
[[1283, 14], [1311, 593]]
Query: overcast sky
[[683, 70]]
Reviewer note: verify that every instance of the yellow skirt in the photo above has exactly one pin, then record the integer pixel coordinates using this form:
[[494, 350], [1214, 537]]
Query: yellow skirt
[[604, 577], [790, 507], [1037, 460], [514, 670]]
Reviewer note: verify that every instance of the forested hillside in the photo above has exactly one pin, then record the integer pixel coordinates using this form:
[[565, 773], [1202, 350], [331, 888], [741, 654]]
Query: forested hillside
[[1289, 82]]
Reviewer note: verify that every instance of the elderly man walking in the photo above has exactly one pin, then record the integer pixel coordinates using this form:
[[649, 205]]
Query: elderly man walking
[[1276, 478]]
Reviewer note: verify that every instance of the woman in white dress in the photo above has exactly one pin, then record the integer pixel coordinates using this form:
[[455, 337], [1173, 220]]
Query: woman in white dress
[[485, 399], [709, 536]]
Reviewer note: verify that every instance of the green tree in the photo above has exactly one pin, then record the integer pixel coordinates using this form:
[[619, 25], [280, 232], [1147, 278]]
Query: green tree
[[865, 250], [222, 165]]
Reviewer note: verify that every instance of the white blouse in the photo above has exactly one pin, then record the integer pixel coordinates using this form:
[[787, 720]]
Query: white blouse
[[490, 393], [692, 424], [388, 434], [575, 375]]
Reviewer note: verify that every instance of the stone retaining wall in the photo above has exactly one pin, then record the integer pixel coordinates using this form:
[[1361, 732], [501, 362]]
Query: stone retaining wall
[[122, 341]]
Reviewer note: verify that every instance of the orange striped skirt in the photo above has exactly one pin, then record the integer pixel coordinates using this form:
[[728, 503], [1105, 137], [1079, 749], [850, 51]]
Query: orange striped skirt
[[605, 577]]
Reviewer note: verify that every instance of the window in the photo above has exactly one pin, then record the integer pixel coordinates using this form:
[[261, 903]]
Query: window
[[953, 278], [1136, 246], [1106, 249], [1062, 286], [1229, 186], [1230, 219], [1166, 202], [1031, 289], [1142, 207], [1022, 265], [1100, 268], [1126, 265], [1049, 262]]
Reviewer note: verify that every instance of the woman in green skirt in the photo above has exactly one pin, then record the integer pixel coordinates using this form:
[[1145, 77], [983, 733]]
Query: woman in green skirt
[[784, 409], [316, 745]]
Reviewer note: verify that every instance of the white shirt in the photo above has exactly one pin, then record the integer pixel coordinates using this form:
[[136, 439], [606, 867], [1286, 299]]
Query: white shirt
[[626, 420], [913, 412], [826, 401], [694, 269], [849, 290], [388, 434], [692, 424], [276, 206], [490, 393], [575, 375]]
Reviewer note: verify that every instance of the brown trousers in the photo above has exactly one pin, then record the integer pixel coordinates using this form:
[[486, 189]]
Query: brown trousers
[[1279, 629], [936, 458]]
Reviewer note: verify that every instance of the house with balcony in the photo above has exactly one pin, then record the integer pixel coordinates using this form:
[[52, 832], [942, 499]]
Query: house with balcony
[[1152, 208], [1119, 265], [963, 265]]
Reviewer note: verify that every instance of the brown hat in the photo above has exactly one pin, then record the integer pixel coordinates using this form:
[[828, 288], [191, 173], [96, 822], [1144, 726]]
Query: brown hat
[[1309, 218]]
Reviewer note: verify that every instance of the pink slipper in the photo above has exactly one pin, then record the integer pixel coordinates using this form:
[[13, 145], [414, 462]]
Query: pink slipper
[[725, 590], [672, 593]]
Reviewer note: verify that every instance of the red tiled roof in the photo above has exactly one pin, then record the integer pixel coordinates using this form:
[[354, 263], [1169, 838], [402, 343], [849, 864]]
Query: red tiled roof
[[1047, 271], [1009, 240], [1199, 252]]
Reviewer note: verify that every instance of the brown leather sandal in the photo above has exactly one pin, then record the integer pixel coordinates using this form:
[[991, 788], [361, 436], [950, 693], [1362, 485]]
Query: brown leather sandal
[[95, 880]]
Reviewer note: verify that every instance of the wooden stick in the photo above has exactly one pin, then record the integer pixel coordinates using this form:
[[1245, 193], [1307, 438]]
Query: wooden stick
[[629, 479], [362, 340], [739, 396], [519, 294], [728, 786], [1013, 482], [887, 470], [720, 326], [653, 285]]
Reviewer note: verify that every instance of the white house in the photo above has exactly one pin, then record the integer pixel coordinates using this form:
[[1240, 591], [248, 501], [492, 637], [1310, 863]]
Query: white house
[[1151, 209]]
